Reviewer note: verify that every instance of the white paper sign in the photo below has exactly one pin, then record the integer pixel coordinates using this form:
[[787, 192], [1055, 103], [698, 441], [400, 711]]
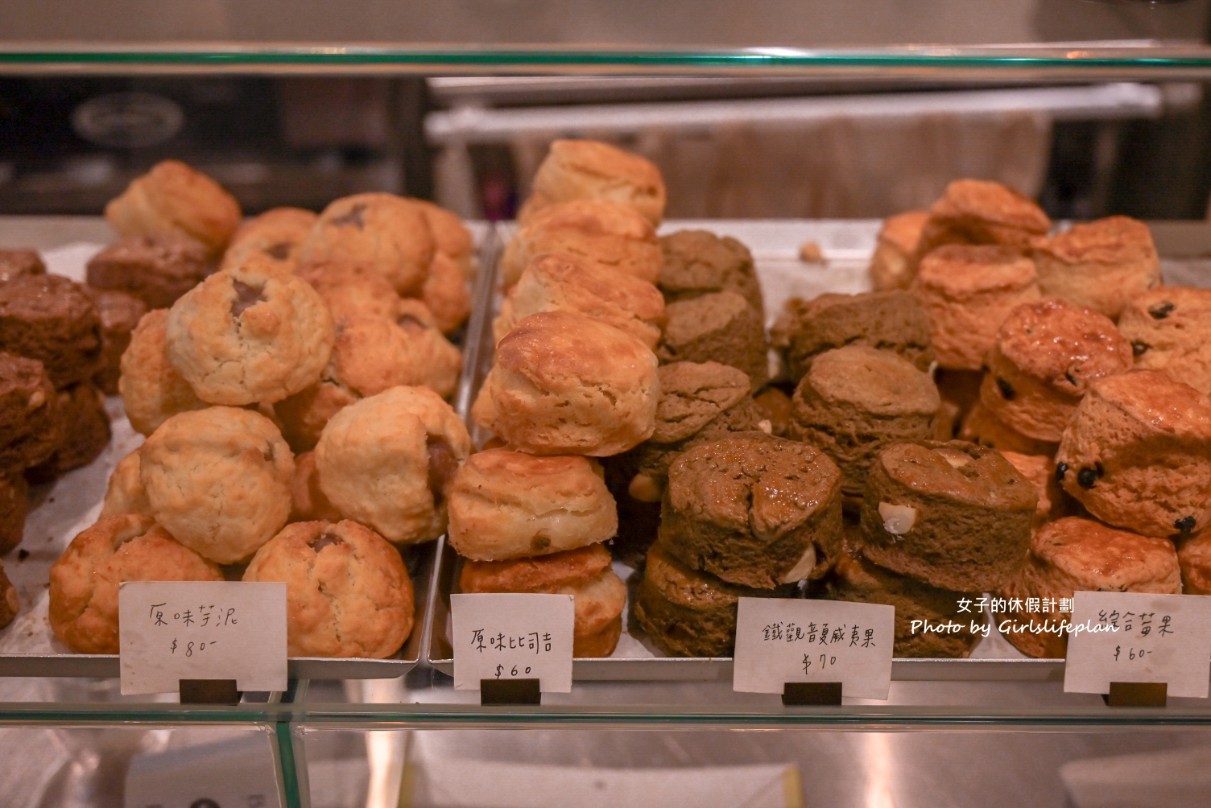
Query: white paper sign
[[783, 640], [513, 636], [1133, 637], [201, 630]]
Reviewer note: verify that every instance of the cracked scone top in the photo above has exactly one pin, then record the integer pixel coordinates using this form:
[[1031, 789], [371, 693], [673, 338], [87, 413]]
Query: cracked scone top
[[253, 334], [348, 593]]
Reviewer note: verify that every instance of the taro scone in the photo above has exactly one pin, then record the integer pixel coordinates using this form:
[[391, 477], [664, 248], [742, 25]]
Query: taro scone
[[155, 270], [751, 509], [1137, 454], [855, 400], [717, 327], [1045, 356], [954, 515], [1170, 330], [52, 319], [698, 262], [30, 426], [891, 321]]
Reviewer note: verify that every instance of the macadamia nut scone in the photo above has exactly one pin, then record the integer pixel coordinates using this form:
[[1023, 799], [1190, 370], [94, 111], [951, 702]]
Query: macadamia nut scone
[[564, 383], [1045, 356], [1137, 454], [982, 212], [253, 334], [155, 270], [717, 327], [387, 461], [1170, 330], [275, 235], [698, 262], [967, 291], [348, 593], [219, 480], [891, 264], [1102, 265], [151, 388], [954, 515], [387, 232], [504, 504], [751, 509], [84, 581], [590, 169], [52, 319]]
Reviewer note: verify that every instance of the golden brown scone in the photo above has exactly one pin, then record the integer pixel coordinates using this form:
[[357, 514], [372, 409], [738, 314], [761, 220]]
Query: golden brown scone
[[610, 236], [451, 237], [967, 291], [1072, 555], [1045, 357], [891, 264], [152, 389], [10, 602], [1170, 330], [125, 492], [387, 462], [1040, 470], [275, 235], [347, 591], [219, 480], [84, 581], [505, 504], [1194, 556], [387, 232], [981, 212], [445, 293], [14, 507], [175, 199], [563, 283], [564, 383], [982, 427], [1137, 454], [1102, 265], [351, 289], [253, 334], [308, 502], [590, 169]]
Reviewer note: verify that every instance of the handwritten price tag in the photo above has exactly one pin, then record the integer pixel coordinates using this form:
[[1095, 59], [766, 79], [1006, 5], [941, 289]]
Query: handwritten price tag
[[782, 640], [1133, 637], [201, 630], [513, 637]]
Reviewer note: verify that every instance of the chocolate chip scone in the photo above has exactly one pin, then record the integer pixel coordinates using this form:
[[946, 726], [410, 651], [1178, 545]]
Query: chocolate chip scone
[[699, 262], [151, 388], [155, 270], [1102, 265], [1170, 330], [350, 289], [275, 235], [52, 319]]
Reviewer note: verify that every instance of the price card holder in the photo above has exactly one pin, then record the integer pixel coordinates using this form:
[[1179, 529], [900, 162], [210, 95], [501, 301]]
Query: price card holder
[[1137, 694], [509, 691], [812, 694], [209, 691], [512, 637]]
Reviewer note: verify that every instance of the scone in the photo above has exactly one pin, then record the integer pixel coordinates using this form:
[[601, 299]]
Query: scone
[[1073, 555], [982, 427], [275, 235], [10, 601], [1137, 454], [451, 237], [14, 507], [967, 291], [125, 492], [119, 313], [717, 327], [1170, 330], [84, 581], [30, 425], [954, 515], [590, 169], [20, 262], [155, 270], [504, 504], [347, 591], [585, 574], [699, 262], [351, 290], [564, 383], [891, 264], [445, 293], [960, 393], [387, 461], [308, 503], [252, 334], [174, 199], [1194, 556], [1040, 471], [151, 388], [975, 211], [1102, 265], [84, 432], [1045, 356], [751, 509], [52, 319], [218, 479]]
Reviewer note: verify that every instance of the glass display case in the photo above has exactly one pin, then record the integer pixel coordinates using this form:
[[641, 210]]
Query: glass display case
[[445, 80]]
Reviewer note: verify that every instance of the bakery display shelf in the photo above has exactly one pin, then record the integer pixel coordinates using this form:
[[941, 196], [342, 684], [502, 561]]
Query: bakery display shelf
[[846, 246]]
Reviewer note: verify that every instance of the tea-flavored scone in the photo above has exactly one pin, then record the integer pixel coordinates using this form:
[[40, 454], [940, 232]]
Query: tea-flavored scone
[[1170, 330], [17, 263], [973, 211], [10, 601], [384, 231], [555, 282], [276, 235], [1041, 471], [445, 293], [855, 400], [751, 509], [1073, 555], [156, 270], [219, 480], [152, 389], [125, 492], [891, 264], [14, 507], [351, 289], [717, 327], [252, 334], [348, 593], [857, 580], [119, 313], [1103, 265], [84, 582], [890, 321], [699, 262], [30, 426], [967, 291], [387, 461], [982, 427], [954, 515], [608, 235], [52, 319], [564, 383], [1045, 357], [774, 406], [504, 504], [1137, 454], [308, 501], [590, 169], [1194, 556], [84, 432]]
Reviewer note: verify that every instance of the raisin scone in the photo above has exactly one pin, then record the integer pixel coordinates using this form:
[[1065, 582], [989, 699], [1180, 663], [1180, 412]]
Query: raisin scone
[[1170, 330]]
